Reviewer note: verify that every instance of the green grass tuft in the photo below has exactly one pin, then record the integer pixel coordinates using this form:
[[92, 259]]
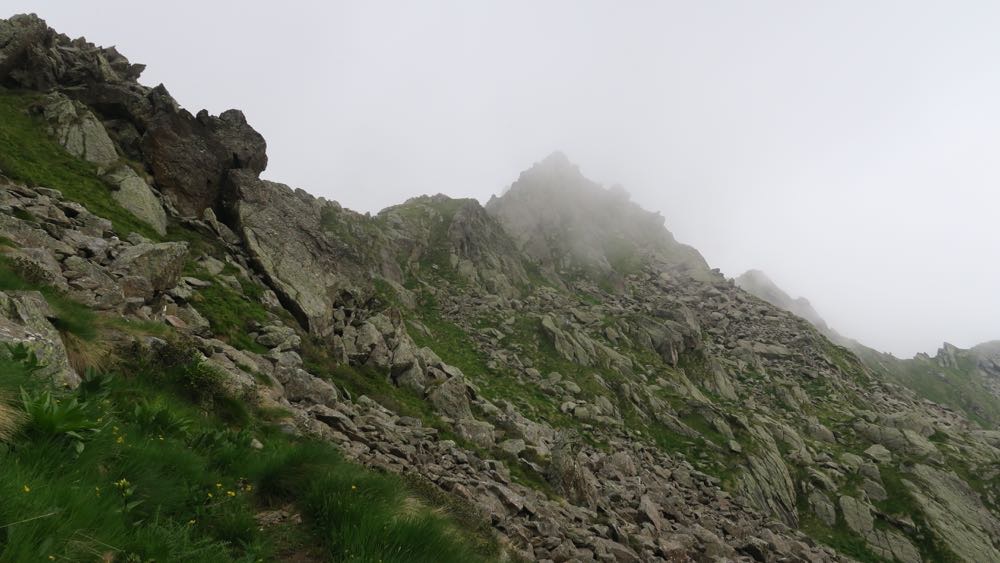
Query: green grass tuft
[[231, 313]]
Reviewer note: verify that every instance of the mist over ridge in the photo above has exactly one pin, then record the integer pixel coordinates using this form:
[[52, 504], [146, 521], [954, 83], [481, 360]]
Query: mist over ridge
[[847, 153]]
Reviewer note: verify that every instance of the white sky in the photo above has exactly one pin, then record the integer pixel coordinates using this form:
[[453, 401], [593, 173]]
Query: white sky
[[849, 149]]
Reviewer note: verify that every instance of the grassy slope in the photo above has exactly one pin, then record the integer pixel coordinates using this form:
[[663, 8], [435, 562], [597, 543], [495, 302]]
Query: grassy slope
[[156, 463], [159, 465]]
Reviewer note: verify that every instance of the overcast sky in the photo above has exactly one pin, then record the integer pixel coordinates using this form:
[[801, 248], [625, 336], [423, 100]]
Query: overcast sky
[[849, 149]]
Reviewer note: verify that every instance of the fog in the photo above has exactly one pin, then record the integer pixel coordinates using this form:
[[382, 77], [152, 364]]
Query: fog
[[848, 149]]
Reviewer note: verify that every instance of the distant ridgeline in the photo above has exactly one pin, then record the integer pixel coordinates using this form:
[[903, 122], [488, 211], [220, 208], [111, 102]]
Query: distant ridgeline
[[966, 380], [200, 365]]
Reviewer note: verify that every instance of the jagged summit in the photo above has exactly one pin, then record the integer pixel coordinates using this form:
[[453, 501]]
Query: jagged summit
[[565, 221], [555, 172]]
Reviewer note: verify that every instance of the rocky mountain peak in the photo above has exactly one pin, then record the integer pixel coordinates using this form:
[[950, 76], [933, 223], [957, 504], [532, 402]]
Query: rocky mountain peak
[[567, 222], [555, 172]]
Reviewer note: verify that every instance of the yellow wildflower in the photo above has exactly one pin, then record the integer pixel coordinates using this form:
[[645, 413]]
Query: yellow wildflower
[[27, 489]]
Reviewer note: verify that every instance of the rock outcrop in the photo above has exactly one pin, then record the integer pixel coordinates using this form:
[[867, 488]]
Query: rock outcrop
[[189, 155]]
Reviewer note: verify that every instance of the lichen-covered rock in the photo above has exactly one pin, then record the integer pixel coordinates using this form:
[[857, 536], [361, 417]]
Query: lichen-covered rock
[[823, 508], [879, 453], [284, 235], [893, 546], [475, 431], [77, 130], [857, 515], [451, 398], [300, 385], [279, 337], [39, 266], [767, 483], [151, 267], [135, 195], [24, 320], [955, 513]]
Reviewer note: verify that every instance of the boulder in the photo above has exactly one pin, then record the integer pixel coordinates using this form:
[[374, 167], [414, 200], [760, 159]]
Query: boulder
[[650, 512], [476, 431], [302, 386], [25, 320], [904, 441], [279, 337], [857, 515], [159, 265], [451, 398], [91, 285], [77, 130], [513, 446], [823, 508], [38, 265], [135, 195], [879, 453], [893, 546]]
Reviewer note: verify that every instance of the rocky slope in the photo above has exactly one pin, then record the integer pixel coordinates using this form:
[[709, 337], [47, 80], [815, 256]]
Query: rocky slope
[[756, 282], [962, 379], [555, 360]]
